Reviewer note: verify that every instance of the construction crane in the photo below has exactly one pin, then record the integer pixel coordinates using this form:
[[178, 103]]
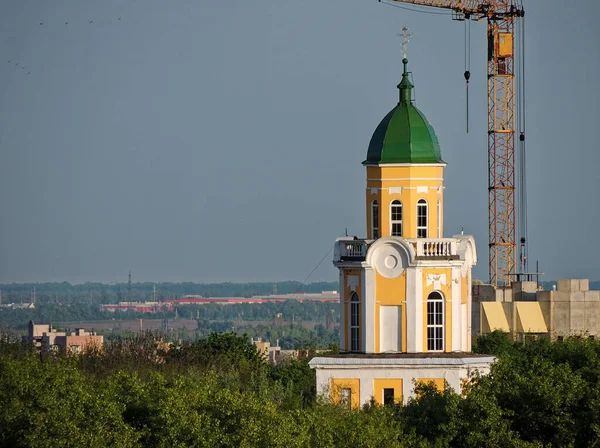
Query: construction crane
[[501, 16]]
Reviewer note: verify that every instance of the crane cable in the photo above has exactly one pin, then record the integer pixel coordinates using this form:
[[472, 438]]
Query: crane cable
[[467, 61], [522, 159]]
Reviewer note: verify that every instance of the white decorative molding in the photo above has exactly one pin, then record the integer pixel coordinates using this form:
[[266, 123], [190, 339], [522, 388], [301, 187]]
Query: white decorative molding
[[390, 260], [422, 189], [395, 190], [374, 190], [437, 280]]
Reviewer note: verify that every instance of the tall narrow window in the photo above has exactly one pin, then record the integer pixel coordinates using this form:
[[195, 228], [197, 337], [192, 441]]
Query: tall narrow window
[[396, 215], [375, 219], [435, 322], [439, 218], [422, 218], [354, 323]]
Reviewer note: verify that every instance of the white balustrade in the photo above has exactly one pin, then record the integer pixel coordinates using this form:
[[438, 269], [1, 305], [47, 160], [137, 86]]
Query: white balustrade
[[435, 247], [350, 250]]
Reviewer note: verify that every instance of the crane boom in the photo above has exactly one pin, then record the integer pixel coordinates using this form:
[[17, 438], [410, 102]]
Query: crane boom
[[478, 8], [464, 6], [500, 15]]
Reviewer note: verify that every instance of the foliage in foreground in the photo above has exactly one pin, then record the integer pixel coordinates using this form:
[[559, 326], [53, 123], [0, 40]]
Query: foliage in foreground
[[220, 393]]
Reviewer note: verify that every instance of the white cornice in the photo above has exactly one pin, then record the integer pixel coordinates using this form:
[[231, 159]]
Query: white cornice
[[382, 165], [407, 178]]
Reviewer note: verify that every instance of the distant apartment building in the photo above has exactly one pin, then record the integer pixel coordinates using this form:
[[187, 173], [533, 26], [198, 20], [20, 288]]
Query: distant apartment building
[[43, 336], [264, 347]]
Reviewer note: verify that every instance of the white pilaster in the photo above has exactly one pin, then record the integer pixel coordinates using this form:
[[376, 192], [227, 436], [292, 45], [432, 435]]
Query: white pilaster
[[469, 310], [368, 292], [414, 310], [343, 316]]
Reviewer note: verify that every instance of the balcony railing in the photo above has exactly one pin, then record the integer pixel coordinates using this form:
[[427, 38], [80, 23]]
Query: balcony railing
[[350, 250], [438, 247]]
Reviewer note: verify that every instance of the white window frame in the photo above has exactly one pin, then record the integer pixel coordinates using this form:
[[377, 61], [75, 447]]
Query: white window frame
[[435, 322], [375, 219], [422, 231], [395, 204], [354, 322]]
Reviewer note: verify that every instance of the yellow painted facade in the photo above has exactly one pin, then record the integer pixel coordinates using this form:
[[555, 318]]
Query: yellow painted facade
[[337, 385], [406, 184], [380, 384], [439, 383]]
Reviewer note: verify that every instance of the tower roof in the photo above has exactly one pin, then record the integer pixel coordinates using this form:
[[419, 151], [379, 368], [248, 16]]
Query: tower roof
[[404, 135]]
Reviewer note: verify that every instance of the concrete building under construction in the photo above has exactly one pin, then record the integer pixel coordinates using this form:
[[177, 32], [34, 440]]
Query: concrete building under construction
[[569, 309]]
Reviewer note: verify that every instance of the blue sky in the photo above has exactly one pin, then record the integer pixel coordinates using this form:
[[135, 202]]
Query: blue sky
[[221, 141]]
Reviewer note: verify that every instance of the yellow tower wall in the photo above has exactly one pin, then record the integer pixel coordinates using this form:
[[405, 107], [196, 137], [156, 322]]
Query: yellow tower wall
[[408, 184]]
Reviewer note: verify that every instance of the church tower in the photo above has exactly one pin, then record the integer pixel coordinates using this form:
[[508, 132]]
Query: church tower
[[404, 164], [405, 290]]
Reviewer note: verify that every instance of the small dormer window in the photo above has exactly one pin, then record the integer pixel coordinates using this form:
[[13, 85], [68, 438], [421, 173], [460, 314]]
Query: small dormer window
[[422, 218]]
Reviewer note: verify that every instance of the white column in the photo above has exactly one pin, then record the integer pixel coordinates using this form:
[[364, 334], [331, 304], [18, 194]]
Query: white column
[[368, 293], [414, 310], [469, 310], [343, 316]]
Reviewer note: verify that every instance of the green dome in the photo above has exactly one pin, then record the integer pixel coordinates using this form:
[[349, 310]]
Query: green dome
[[404, 135]]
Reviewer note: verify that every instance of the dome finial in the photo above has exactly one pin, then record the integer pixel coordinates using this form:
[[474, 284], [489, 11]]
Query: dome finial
[[405, 85]]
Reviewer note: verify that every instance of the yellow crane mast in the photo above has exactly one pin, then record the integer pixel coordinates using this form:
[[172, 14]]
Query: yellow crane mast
[[500, 16]]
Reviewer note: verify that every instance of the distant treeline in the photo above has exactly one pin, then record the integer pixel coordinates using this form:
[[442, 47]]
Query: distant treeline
[[277, 314], [65, 292]]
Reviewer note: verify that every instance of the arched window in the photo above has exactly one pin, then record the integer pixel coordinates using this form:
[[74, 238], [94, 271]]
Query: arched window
[[375, 219], [435, 322], [396, 217], [422, 218], [354, 323]]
